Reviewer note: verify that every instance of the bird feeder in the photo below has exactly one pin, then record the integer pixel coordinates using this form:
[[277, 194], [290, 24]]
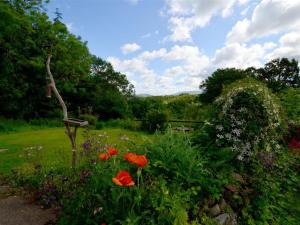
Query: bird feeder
[[68, 122]]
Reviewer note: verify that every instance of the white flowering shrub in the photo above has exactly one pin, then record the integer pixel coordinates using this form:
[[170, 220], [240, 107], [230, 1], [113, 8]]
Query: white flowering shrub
[[247, 119]]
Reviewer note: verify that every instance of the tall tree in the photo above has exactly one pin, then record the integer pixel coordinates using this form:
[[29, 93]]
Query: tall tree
[[212, 86], [278, 74]]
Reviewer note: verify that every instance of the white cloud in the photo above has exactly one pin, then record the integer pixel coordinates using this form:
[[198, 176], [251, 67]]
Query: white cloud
[[130, 47], [186, 75], [269, 17], [289, 46], [150, 55], [241, 56], [187, 15]]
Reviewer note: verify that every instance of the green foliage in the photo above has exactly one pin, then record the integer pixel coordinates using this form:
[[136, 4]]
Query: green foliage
[[83, 80], [276, 187], [14, 125], [90, 118], [212, 86], [278, 74], [120, 123], [247, 118], [173, 158], [185, 107], [140, 106], [290, 101], [155, 120]]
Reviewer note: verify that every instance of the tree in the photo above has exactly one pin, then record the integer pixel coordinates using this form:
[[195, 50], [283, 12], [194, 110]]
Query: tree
[[26, 33], [278, 74], [110, 90], [212, 86]]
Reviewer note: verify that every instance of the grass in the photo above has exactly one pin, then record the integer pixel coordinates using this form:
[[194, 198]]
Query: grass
[[56, 147]]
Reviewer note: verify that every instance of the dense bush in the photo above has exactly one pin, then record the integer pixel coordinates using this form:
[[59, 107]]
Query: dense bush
[[119, 123], [290, 101], [155, 120], [213, 85], [247, 119], [90, 118]]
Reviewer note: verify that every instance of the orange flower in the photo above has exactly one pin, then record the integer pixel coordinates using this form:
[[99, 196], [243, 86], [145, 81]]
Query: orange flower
[[139, 160], [112, 151], [123, 178], [103, 156], [130, 157]]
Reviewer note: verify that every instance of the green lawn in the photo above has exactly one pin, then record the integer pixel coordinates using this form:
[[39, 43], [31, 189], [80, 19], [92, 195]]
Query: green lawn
[[56, 147]]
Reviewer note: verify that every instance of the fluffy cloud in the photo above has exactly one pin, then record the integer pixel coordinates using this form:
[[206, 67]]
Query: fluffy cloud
[[187, 15], [269, 17], [241, 56], [186, 75], [289, 46], [130, 47]]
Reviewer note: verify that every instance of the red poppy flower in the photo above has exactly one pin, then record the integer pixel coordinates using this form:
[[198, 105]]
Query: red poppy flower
[[139, 160], [123, 178], [112, 151], [103, 156]]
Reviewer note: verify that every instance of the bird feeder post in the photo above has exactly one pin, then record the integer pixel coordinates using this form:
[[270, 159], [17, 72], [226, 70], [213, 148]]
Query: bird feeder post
[[68, 122]]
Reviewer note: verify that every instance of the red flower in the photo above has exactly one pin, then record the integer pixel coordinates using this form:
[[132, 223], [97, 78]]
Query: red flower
[[139, 160], [112, 151], [103, 156], [123, 178], [294, 144]]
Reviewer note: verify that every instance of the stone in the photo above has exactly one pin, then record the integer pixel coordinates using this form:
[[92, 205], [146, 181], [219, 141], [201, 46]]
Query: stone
[[3, 150], [214, 211], [231, 188], [232, 219], [222, 204], [4, 189], [222, 219]]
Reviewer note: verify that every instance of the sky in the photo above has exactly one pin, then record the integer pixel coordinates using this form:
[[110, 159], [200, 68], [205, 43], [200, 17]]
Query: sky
[[170, 46]]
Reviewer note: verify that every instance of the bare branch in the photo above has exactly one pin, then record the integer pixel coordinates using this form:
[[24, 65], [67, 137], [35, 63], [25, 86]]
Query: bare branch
[[58, 96]]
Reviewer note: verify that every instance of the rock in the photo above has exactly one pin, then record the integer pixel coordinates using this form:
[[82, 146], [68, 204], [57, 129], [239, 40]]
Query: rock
[[222, 204], [231, 188], [232, 219], [3, 150], [4, 189], [222, 219], [210, 202], [214, 211]]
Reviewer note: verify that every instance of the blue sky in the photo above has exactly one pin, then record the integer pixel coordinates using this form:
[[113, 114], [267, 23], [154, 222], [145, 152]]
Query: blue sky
[[169, 46]]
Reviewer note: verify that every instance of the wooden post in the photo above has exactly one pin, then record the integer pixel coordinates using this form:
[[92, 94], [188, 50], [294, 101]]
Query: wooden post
[[71, 134]]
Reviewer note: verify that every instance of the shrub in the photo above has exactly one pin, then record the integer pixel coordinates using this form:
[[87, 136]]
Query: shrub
[[214, 84], [247, 118], [155, 120], [119, 123], [290, 101], [100, 125], [90, 118], [46, 122]]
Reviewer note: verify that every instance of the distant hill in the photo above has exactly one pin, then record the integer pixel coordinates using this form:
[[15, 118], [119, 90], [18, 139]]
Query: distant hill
[[175, 94], [187, 93], [143, 95]]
